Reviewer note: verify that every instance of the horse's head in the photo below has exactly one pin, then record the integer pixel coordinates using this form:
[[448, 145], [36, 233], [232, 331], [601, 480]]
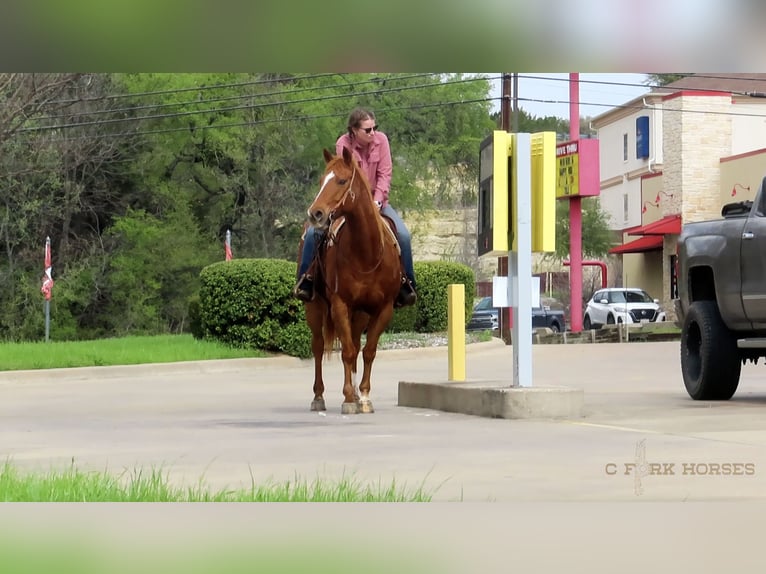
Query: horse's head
[[336, 191]]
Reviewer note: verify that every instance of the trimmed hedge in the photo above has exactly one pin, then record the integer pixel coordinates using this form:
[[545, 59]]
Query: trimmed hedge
[[433, 278], [248, 303]]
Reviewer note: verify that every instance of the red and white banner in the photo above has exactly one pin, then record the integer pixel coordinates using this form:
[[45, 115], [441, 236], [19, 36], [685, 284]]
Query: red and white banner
[[227, 245], [47, 286]]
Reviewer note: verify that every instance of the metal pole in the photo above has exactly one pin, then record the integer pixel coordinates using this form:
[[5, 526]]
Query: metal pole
[[520, 264], [575, 216], [47, 320]]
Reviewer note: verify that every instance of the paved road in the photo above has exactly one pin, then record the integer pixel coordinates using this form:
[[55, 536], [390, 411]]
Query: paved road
[[227, 422]]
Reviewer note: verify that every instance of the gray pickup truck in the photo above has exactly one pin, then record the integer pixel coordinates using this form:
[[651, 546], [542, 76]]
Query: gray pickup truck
[[721, 303]]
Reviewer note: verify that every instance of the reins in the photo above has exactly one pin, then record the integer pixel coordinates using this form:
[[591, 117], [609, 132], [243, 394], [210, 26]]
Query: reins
[[382, 234]]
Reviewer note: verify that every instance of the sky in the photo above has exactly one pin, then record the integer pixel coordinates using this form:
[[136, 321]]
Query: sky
[[598, 92]]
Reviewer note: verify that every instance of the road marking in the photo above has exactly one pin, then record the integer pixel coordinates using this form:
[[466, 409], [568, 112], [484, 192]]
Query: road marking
[[666, 433], [615, 427]]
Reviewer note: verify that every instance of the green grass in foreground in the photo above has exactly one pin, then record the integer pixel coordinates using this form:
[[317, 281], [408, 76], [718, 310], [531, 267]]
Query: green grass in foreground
[[118, 351], [73, 485], [161, 349]]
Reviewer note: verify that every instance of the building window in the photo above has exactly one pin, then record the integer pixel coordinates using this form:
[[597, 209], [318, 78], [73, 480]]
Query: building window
[[625, 207], [624, 147]]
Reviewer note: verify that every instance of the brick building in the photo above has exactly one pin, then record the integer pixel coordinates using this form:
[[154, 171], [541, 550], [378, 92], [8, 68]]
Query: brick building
[[676, 155]]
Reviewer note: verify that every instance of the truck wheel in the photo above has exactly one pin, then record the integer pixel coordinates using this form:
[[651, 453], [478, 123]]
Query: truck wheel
[[710, 362], [555, 327]]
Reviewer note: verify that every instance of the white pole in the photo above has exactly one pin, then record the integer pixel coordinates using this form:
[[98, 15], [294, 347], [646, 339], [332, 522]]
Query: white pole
[[520, 263]]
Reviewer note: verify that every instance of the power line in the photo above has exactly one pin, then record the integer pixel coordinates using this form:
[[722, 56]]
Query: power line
[[293, 90], [377, 92], [187, 89], [323, 98], [270, 121], [383, 110], [643, 107], [657, 87]]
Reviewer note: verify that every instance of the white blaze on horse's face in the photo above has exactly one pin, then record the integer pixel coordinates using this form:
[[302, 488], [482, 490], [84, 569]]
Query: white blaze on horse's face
[[317, 216]]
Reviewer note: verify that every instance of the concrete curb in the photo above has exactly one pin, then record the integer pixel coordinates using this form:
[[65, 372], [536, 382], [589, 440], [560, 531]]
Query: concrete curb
[[492, 399]]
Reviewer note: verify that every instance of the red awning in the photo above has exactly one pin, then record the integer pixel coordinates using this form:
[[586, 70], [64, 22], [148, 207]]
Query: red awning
[[668, 224], [646, 243]]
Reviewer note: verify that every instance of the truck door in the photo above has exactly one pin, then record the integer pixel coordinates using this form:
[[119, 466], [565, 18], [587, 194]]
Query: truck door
[[753, 263]]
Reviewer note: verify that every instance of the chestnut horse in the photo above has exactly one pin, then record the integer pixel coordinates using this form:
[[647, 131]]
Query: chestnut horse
[[357, 277]]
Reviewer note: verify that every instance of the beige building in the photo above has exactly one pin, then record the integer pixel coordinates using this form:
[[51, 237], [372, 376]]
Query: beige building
[[673, 156]]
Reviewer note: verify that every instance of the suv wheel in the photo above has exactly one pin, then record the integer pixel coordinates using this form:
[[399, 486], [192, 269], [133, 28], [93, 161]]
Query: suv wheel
[[710, 361]]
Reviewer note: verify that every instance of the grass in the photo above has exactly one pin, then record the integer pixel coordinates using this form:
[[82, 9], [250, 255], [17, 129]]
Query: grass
[[163, 349], [74, 485], [118, 351]]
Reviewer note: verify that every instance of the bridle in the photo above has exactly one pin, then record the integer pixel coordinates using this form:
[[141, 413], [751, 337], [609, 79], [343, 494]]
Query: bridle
[[346, 193], [352, 194]]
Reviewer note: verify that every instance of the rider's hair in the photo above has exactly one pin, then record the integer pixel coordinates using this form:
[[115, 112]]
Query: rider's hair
[[357, 116]]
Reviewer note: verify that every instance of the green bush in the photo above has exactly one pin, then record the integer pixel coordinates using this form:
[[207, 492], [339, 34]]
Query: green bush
[[433, 278], [248, 303], [404, 320]]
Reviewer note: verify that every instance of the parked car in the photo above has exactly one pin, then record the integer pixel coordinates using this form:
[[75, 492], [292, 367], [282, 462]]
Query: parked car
[[549, 315], [621, 305], [484, 314]]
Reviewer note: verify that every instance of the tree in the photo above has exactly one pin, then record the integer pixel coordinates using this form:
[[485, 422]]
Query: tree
[[596, 235], [136, 178], [663, 79]]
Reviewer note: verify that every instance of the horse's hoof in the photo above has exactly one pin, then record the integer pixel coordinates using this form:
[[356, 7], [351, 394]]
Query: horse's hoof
[[349, 409], [365, 407], [318, 405]]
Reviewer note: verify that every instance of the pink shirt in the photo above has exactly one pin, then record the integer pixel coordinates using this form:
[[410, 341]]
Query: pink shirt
[[375, 160]]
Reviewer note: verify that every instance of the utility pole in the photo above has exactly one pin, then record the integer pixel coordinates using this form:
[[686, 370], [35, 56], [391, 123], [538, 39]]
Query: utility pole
[[515, 103]]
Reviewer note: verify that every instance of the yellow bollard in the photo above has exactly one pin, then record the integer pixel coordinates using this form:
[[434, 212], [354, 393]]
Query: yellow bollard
[[456, 331]]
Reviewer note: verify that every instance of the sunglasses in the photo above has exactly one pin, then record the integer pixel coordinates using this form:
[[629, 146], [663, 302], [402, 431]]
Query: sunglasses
[[368, 130]]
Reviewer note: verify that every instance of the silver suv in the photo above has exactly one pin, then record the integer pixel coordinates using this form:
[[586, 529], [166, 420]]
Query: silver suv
[[621, 305]]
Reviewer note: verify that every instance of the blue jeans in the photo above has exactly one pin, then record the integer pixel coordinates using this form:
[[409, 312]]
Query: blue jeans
[[402, 233]]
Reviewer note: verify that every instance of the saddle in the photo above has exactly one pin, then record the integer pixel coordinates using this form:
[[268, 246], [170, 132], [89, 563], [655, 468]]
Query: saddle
[[332, 235], [329, 239]]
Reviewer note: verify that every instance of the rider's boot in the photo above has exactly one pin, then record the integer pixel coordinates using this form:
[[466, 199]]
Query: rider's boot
[[407, 295], [304, 289]]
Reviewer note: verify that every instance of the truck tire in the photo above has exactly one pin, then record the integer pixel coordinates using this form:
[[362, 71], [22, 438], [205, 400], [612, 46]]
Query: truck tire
[[710, 361]]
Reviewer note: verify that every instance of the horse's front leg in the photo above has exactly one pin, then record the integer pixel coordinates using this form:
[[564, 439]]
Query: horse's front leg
[[349, 352], [317, 349], [358, 324], [375, 328]]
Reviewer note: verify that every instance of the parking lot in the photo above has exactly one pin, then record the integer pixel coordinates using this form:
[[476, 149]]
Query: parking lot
[[229, 422]]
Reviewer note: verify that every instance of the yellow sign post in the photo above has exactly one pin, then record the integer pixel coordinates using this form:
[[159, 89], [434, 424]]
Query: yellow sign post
[[456, 331]]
